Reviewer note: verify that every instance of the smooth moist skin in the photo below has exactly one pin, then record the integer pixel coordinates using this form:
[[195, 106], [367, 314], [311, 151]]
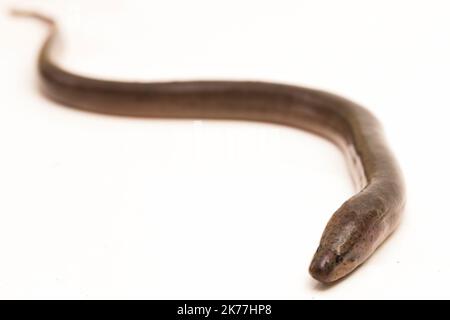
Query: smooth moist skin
[[354, 231]]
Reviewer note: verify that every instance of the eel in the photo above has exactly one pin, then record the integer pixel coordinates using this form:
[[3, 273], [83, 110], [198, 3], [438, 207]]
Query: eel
[[354, 231]]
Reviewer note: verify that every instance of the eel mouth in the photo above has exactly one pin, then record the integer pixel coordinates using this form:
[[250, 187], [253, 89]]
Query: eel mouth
[[327, 266]]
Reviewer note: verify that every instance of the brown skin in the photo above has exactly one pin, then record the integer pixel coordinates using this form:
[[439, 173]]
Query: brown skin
[[354, 231]]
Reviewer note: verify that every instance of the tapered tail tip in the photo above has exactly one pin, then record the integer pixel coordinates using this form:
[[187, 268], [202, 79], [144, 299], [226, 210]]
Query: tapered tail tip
[[16, 12]]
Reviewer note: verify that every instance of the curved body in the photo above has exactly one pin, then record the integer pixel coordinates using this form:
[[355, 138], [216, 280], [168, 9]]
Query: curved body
[[354, 231]]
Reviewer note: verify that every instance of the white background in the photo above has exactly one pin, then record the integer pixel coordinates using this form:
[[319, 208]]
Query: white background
[[95, 206]]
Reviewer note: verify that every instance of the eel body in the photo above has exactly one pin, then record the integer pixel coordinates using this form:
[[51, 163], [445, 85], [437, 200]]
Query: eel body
[[354, 231]]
